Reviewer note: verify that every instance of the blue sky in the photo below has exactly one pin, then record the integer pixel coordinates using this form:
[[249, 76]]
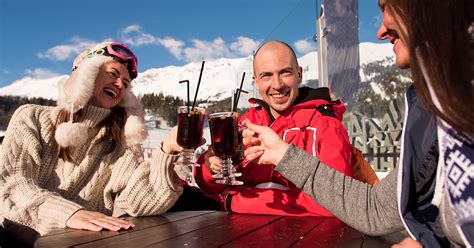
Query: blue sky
[[40, 38]]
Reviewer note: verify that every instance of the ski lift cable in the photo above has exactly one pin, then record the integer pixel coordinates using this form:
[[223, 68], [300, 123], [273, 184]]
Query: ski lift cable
[[282, 20]]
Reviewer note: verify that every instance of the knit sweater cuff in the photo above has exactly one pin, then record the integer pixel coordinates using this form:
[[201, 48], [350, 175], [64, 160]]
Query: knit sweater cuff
[[55, 212], [165, 162]]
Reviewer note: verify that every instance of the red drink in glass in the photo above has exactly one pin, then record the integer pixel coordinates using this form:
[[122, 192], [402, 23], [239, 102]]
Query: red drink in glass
[[224, 134], [190, 127], [225, 144]]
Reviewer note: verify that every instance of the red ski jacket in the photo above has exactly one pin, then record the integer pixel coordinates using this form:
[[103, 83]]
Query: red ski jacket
[[312, 124]]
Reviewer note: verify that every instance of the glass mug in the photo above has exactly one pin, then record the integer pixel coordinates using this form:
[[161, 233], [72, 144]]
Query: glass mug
[[190, 130], [225, 144]]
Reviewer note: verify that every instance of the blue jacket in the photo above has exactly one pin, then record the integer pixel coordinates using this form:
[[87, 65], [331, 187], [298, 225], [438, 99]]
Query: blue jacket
[[417, 174]]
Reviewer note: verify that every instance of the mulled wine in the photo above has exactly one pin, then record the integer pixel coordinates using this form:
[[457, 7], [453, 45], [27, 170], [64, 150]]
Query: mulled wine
[[224, 134], [190, 126]]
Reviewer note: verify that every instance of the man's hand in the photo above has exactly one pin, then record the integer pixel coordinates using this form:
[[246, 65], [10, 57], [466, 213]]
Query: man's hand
[[95, 221], [264, 146], [212, 162]]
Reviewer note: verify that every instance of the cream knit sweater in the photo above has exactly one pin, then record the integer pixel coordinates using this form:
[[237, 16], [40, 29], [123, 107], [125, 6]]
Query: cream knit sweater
[[40, 191]]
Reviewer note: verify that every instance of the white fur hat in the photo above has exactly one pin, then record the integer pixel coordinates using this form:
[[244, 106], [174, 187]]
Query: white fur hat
[[76, 91]]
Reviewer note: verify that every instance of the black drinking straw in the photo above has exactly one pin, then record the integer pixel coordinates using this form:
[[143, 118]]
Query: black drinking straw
[[187, 89], [199, 82], [237, 94]]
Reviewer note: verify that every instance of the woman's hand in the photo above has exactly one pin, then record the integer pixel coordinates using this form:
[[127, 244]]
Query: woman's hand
[[170, 145], [212, 162], [95, 221], [408, 243], [264, 146]]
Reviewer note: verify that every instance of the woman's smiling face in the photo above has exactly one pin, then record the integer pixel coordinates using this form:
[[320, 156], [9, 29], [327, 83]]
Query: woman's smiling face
[[110, 85], [393, 29]]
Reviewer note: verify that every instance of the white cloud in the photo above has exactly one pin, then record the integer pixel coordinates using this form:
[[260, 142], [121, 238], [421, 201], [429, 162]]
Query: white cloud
[[244, 46], [66, 51], [41, 73], [134, 36], [305, 46], [203, 50], [132, 28], [197, 51], [174, 46], [218, 48]]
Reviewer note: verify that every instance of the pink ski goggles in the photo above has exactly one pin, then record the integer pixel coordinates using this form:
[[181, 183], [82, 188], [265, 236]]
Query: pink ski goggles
[[121, 52]]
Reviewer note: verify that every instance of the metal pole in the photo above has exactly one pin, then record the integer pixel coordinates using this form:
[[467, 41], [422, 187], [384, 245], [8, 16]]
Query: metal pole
[[322, 50]]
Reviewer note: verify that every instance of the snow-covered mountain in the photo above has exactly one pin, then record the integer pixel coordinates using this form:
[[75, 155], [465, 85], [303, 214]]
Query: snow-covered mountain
[[219, 78]]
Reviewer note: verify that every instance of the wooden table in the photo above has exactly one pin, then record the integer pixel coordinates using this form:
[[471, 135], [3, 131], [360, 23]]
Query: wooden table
[[221, 229]]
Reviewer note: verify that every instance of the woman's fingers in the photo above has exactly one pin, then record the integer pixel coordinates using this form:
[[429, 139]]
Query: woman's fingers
[[119, 222], [91, 226], [255, 128], [251, 141], [247, 133], [254, 156], [103, 223], [253, 153], [110, 223], [95, 221], [169, 144]]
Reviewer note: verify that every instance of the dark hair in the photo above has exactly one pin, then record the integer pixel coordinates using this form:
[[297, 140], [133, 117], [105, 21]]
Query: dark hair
[[114, 124], [441, 56]]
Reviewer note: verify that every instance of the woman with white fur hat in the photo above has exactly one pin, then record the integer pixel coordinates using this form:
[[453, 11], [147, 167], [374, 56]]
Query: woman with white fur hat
[[67, 166]]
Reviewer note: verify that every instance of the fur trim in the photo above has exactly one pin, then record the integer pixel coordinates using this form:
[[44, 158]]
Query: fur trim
[[71, 134], [78, 89], [135, 130]]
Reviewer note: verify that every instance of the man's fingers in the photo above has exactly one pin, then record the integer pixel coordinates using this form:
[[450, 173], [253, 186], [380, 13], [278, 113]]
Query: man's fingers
[[215, 168], [215, 164], [214, 160]]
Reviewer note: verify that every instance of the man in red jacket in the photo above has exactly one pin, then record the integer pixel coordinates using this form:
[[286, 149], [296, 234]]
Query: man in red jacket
[[306, 117]]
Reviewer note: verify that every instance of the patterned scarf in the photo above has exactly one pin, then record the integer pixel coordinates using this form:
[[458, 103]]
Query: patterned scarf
[[457, 153]]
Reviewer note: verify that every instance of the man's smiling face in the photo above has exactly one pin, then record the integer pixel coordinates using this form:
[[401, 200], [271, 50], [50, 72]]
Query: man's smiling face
[[277, 76]]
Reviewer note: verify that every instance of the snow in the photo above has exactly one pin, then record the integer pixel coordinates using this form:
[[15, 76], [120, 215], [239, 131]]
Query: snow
[[220, 77]]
